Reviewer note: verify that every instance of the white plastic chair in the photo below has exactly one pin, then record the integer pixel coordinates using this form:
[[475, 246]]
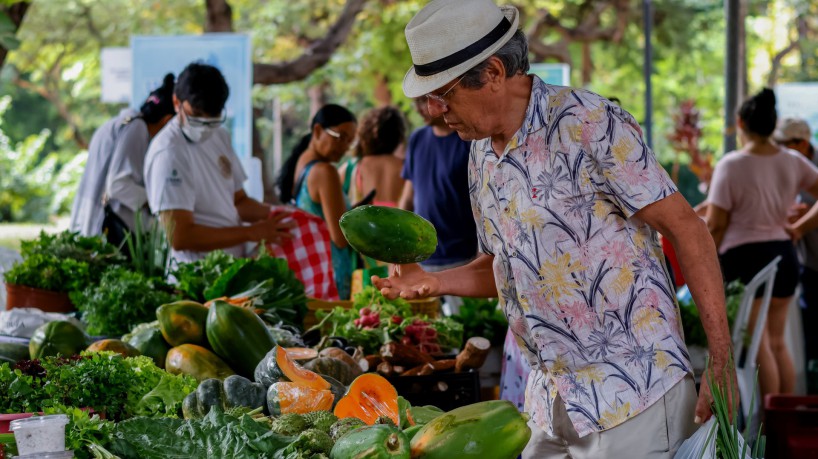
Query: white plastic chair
[[745, 356]]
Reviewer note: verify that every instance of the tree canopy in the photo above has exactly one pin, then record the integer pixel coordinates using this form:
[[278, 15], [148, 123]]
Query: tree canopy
[[353, 52]]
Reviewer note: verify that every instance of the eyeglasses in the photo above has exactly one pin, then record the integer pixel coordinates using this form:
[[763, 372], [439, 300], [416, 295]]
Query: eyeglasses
[[442, 99], [337, 135], [206, 122]]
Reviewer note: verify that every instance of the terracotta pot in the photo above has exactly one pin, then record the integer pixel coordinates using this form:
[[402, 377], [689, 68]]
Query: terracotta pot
[[20, 296]]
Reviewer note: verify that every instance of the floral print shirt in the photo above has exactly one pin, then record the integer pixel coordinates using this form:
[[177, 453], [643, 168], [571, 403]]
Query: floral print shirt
[[582, 280]]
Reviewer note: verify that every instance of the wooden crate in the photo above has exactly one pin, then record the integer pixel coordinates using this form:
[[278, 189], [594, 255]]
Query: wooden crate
[[428, 307]]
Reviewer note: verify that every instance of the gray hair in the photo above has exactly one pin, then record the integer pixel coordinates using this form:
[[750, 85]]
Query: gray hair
[[514, 55]]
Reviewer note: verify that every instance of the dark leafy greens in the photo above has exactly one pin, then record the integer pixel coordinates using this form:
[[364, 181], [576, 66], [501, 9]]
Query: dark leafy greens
[[215, 436], [122, 300], [193, 278], [270, 283], [482, 317]]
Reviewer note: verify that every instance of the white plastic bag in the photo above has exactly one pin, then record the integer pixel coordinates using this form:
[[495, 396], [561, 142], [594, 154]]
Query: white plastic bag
[[22, 322], [692, 447]]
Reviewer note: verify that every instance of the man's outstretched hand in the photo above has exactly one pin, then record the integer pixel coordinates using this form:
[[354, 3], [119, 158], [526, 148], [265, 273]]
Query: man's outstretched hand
[[409, 282]]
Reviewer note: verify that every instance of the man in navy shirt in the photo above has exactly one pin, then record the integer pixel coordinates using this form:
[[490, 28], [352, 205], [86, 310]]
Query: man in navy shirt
[[437, 189]]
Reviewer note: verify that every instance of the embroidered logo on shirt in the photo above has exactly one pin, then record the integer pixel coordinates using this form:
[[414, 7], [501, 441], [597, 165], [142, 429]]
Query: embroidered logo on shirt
[[226, 167], [174, 178]]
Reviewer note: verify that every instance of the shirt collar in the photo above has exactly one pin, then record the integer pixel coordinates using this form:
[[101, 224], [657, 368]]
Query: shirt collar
[[534, 116]]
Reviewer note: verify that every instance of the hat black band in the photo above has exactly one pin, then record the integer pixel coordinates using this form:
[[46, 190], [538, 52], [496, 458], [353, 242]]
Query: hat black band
[[466, 53]]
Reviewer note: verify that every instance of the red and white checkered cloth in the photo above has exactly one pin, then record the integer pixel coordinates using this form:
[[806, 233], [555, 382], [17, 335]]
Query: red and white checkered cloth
[[308, 253]]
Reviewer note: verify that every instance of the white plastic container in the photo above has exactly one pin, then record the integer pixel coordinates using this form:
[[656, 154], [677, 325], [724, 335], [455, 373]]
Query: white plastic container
[[58, 455], [40, 434]]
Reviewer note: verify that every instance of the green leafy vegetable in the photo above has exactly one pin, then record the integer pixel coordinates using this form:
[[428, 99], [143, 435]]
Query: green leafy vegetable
[[63, 262], [122, 300], [215, 436], [270, 283], [83, 430], [482, 317], [193, 278], [105, 381]]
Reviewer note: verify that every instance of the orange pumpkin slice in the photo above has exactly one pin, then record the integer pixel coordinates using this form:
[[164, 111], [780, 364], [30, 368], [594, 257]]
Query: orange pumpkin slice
[[289, 397], [301, 353], [369, 397], [298, 374]]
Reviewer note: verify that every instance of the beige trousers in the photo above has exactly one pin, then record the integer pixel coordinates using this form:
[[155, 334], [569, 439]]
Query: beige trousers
[[652, 434]]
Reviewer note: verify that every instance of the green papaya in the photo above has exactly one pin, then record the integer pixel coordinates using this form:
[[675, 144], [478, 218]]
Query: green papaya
[[389, 234], [238, 336], [379, 441], [183, 322], [13, 352], [494, 429], [196, 361], [57, 337], [148, 340]]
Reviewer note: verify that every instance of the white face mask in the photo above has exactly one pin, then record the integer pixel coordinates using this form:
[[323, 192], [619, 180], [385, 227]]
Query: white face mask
[[199, 129]]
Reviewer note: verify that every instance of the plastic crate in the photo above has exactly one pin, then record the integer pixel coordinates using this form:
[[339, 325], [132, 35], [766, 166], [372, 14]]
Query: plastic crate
[[446, 391], [791, 424]]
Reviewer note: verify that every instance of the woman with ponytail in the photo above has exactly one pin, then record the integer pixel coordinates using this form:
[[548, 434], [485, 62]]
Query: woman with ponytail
[[112, 189], [750, 194], [310, 181]]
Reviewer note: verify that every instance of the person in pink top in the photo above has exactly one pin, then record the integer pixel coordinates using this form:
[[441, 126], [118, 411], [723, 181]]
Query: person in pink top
[[750, 196]]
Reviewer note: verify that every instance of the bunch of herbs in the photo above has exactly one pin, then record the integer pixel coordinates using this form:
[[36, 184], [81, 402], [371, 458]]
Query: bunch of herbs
[[122, 300], [192, 279]]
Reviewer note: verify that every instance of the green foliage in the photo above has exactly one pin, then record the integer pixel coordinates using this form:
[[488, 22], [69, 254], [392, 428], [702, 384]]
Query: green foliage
[[105, 381], [482, 317], [149, 249], [63, 262], [122, 300], [215, 436], [193, 278], [83, 430]]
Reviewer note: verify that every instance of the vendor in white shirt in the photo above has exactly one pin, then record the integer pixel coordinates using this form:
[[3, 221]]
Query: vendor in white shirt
[[113, 171], [194, 178]]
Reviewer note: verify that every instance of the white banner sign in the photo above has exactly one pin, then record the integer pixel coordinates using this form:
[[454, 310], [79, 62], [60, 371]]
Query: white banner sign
[[116, 75]]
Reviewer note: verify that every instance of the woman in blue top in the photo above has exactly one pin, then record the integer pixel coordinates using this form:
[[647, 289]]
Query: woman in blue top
[[310, 181]]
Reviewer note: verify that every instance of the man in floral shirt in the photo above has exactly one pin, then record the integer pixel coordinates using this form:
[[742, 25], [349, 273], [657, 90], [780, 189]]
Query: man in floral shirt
[[567, 199]]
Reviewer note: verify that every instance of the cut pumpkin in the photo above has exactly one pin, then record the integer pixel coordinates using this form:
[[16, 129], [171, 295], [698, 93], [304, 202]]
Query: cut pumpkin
[[289, 397], [369, 397], [301, 353], [297, 374]]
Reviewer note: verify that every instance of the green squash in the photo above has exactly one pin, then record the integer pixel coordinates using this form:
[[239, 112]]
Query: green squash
[[337, 369], [389, 234], [13, 352], [234, 391], [378, 441], [57, 337], [238, 336]]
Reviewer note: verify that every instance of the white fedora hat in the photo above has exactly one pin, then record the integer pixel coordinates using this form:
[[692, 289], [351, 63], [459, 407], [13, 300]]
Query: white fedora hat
[[449, 37]]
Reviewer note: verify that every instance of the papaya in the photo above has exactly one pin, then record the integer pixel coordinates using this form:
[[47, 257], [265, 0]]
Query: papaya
[[380, 441], [13, 352], [238, 335], [289, 397], [58, 337], [120, 347], [234, 391], [196, 361], [183, 322], [389, 234], [369, 397], [494, 429], [148, 340]]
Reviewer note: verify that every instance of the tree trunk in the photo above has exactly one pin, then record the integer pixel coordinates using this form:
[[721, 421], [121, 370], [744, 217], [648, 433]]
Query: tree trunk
[[16, 12], [219, 16], [318, 97], [383, 96]]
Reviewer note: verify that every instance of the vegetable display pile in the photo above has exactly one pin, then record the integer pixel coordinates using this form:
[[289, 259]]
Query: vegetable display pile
[[374, 320], [105, 381]]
